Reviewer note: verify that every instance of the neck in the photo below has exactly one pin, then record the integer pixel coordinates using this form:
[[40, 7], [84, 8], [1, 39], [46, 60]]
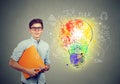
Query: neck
[[37, 39]]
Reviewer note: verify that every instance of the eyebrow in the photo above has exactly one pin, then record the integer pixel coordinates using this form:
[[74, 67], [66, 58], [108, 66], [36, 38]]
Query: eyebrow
[[36, 27]]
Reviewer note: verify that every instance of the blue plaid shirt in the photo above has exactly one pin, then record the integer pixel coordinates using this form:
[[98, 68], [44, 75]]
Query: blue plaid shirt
[[43, 49]]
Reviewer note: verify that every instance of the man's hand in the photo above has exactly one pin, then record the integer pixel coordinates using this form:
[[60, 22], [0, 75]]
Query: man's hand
[[47, 67], [33, 72]]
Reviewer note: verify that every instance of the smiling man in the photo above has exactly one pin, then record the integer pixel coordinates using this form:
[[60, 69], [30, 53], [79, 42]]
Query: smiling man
[[37, 75]]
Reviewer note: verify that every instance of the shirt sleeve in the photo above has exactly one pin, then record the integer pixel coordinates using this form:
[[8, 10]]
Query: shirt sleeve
[[47, 57], [17, 52]]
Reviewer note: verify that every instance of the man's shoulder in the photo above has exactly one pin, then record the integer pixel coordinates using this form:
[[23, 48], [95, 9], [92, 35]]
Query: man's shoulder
[[44, 43], [24, 42]]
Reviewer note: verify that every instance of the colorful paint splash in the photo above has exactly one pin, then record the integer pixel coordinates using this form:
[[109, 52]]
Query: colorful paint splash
[[76, 36], [71, 49]]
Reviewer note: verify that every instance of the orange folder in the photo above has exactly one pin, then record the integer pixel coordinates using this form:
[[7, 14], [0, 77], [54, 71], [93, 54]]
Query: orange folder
[[31, 59]]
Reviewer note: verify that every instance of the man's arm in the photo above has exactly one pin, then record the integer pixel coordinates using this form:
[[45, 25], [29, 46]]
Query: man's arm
[[32, 72]]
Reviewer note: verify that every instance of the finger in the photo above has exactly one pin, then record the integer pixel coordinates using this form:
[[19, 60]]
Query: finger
[[37, 69]]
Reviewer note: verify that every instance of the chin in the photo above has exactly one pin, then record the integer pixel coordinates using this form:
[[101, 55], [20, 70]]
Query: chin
[[37, 36]]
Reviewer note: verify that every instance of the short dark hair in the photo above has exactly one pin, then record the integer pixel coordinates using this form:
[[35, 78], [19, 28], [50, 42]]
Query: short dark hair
[[35, 21]]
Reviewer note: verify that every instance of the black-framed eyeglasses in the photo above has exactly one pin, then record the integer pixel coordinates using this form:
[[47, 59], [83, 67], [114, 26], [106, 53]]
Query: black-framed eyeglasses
[[36, 28]]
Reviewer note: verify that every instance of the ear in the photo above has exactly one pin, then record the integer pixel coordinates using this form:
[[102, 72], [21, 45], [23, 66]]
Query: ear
[[42, 30]]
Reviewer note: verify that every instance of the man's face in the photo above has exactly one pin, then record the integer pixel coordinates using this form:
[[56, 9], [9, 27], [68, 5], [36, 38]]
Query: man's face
[[36, 30]]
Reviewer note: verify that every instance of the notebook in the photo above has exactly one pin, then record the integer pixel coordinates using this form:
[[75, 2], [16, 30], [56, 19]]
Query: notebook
[[31, 59]]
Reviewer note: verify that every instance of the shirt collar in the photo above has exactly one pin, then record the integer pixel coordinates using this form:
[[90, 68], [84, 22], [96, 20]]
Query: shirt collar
[[34, 40]]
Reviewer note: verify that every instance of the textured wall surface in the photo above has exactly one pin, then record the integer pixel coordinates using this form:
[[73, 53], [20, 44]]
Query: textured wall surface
[[15, 16]]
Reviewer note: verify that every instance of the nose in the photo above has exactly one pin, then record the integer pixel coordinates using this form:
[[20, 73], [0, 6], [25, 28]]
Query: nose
[[36, 29]]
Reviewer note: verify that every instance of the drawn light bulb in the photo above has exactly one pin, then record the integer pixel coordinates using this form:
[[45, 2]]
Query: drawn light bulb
[[76, 36]]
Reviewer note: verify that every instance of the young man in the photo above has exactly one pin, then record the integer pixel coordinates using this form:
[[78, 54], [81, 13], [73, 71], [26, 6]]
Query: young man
[[37, 75]]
